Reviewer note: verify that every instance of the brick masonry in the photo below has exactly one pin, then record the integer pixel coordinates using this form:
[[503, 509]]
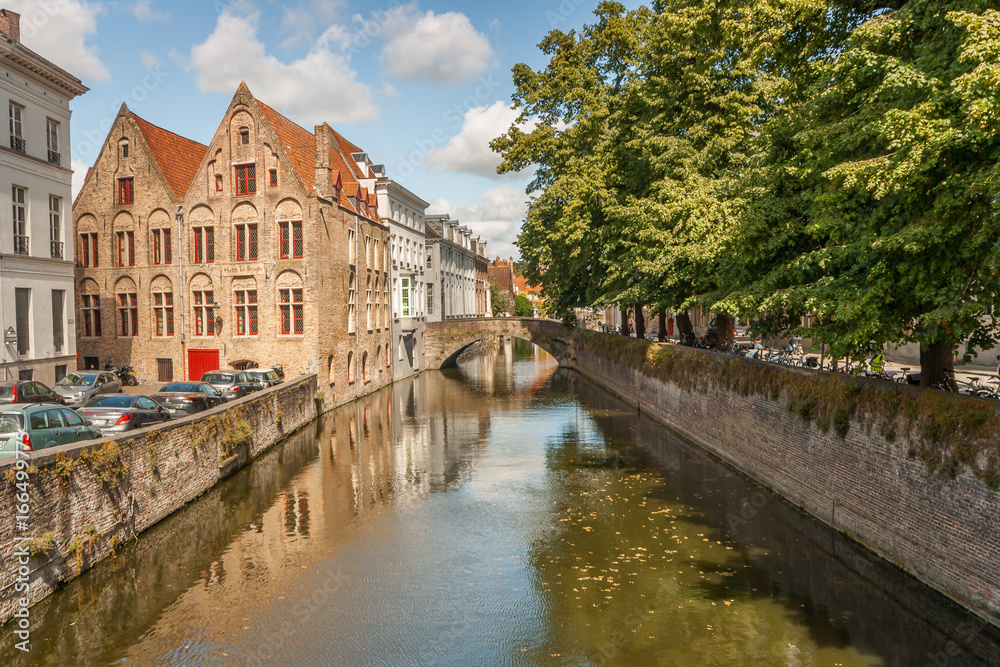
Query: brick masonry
[[944, 532], [158, 471]]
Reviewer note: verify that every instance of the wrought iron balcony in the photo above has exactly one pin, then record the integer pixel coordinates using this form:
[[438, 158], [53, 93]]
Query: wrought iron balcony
[[20, 244], [57, 249], [55, 157], [17, 143]]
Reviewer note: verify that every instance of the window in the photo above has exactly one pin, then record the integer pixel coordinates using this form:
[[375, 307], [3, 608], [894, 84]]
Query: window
[[128, 314], [124, 150], [161, 247], [364, 367], [16, 114], [204, 245], [126, 191], [350, 367], [52, 140], [218, 182], [290, 303], [163, 313], [378, 257], [368, 252], [28, 374], [368, 308], [90, 313], [246, 179], [351, 253], [55, 227], [351, 305], [246, 241], [430, 299], [244, 137], [126, 248], [428, 260], [404, 290], [165, 370], [58, 317], [291, 239], [88, 243], [246, 312], [273, 177], [19, 200], [22, 306], [204, 315], [60, 372]]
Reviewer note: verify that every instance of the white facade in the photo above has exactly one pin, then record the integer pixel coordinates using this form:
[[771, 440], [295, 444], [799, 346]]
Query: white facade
[[36, 223], [403, 212], [451, 269]]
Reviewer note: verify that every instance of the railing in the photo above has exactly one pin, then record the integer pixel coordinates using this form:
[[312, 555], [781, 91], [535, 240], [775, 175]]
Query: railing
[[20, 244], [57, 249], [17, 143], [55, 157]]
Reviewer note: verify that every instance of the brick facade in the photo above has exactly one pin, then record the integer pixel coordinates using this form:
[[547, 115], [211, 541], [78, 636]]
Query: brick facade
[[278, 232]]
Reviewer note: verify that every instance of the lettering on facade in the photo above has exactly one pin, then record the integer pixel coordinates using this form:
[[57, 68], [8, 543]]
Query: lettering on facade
[[234, 270]]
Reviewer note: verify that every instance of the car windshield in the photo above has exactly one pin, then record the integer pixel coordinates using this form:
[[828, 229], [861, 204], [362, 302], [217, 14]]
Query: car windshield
[[77, 380], [11, 423], [180, 387], [218, 378], [110, 402]]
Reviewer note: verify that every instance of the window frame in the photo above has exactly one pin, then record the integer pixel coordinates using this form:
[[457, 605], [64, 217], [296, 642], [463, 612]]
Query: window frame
[[247, 181], [162, 249], [291, 320], [90, 315], [203, 250], [204, 320], [128, 314], [163, 314], [247, 250], [125, 193], [289, 233], [247, 317]]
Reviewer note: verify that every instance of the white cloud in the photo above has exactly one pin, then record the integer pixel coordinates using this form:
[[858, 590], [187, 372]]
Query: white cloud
[[304, 20], [496, 217], [469, 150], [143, 10], [318, 87], [59, 32], [434, 48], [79, 174], [149, 60]]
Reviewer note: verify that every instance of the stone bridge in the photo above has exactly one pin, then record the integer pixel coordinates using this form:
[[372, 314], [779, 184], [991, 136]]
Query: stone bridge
[[444, 341]]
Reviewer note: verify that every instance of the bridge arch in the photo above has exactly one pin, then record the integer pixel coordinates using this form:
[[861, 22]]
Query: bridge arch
[[445, 341]]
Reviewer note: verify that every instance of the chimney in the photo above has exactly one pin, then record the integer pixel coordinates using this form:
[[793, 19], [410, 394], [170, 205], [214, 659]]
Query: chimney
[[324, 170], [10, 23]]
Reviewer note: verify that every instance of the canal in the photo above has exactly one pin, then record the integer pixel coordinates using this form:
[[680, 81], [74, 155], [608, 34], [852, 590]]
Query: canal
[[503, 513]]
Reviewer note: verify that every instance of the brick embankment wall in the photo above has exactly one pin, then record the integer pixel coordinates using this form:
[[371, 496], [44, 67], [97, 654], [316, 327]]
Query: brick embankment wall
[[912, 474], [87, 498]]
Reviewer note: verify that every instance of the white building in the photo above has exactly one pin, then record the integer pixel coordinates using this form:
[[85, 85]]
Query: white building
[[452, 279], [403, 212], [36, 245]]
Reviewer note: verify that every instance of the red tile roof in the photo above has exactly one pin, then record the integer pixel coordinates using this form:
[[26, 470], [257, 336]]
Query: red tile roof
[[298, 143], [178, 157]]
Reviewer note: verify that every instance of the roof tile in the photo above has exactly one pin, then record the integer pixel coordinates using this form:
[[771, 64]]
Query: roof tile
[[178, 157]]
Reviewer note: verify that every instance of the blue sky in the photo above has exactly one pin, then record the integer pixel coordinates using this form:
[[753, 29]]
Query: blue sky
[[421, 86]]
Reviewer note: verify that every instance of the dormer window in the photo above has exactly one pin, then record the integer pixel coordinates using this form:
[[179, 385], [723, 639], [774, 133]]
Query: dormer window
[[124, 150], [244, 137]]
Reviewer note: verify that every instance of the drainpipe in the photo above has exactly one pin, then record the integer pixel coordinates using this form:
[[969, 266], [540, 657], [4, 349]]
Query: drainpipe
[[180, 288]]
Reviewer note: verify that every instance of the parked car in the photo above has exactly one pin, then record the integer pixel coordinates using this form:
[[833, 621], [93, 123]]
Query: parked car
[[77, 388], [233, 384], [182, 398], [41, 425], [27, 391], [119, 412], [266, 376]]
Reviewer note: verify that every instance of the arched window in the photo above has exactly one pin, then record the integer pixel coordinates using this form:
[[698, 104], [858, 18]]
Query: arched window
[[163, 306], [364, 367], [350, 367], [291, 305], [330, 365]]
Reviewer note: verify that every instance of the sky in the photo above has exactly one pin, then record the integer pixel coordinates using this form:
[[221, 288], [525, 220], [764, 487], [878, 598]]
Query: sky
[[421, 86]]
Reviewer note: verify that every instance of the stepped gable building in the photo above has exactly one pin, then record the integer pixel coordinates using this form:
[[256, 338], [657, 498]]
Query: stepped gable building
[[502, 273], [36, 246], [261, 248]]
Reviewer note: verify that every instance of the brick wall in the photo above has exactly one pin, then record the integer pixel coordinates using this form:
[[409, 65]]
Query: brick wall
[[869, 481], [155, 472]]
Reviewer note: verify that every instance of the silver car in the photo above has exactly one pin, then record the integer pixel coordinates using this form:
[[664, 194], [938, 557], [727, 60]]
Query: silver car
[[77, 388]]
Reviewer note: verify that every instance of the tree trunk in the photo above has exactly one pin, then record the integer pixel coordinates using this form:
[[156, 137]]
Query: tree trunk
[[936, 359], [640, 322], [624, 317], [685, 328], [661, 330], [724, 327]]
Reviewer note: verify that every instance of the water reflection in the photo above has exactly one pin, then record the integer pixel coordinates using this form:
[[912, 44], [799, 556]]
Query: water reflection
[[502, 513]]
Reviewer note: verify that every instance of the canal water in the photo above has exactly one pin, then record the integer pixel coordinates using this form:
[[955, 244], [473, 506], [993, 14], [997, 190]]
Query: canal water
[[502, 513]]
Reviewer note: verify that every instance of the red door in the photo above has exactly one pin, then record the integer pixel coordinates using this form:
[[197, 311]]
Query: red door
[[201, 362]]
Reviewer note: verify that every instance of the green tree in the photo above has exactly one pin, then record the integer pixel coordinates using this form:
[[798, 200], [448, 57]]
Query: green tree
[[523, 307], [897, 240], [499, 300]]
